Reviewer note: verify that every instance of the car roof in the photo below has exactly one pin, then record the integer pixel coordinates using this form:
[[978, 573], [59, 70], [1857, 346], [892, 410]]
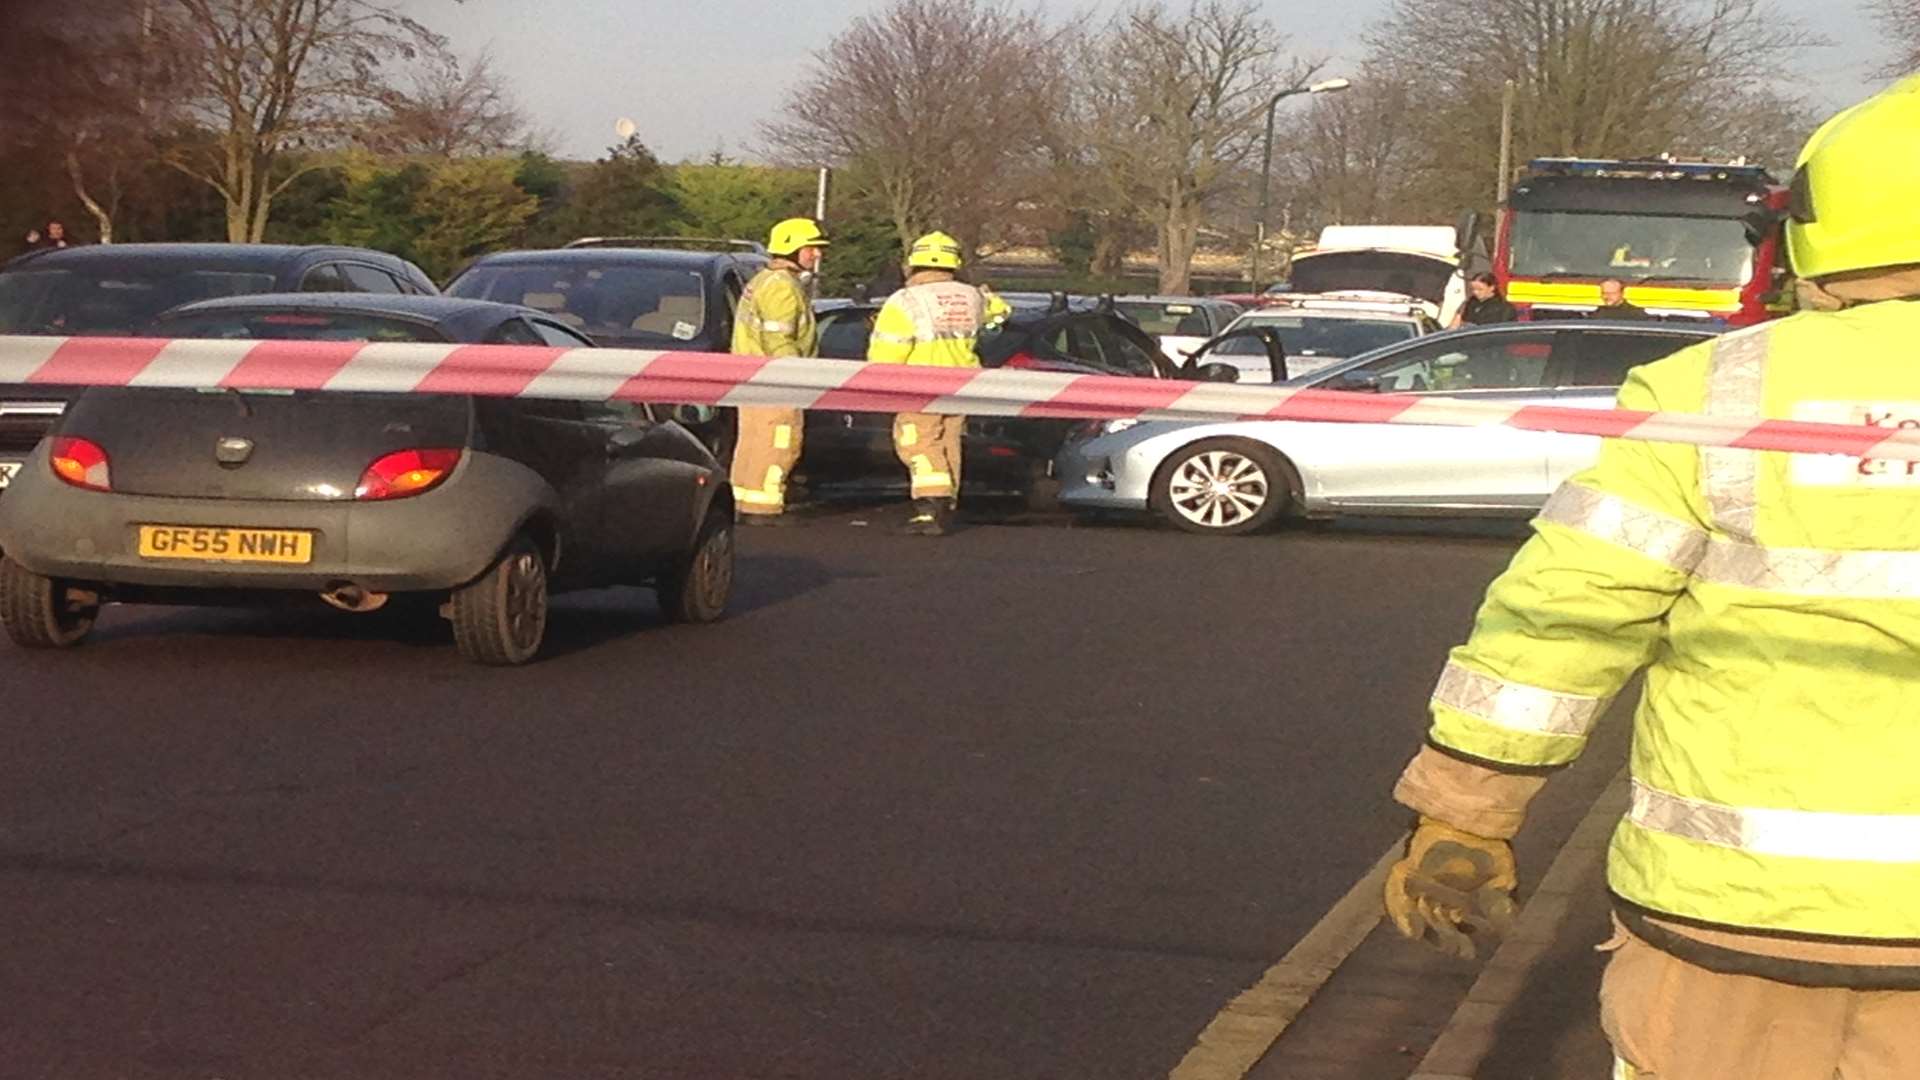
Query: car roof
[[1138, 298], [264, 257], [454, 315], [670, 258], [1374, 313]]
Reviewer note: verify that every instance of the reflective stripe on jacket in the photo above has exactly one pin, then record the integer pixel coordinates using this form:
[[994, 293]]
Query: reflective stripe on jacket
[[775, 318], [935, 324], [1775, 601]]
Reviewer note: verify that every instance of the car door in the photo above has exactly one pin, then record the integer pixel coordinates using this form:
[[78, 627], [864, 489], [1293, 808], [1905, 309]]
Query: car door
[[637, 475], [554, 439], [1596, 364], [1388, 465]]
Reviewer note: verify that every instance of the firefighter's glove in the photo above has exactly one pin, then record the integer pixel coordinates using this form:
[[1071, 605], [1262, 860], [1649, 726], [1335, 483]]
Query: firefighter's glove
[[1451, 887]]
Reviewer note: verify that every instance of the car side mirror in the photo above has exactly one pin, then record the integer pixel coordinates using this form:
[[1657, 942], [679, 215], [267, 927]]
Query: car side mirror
[[1213, 372], [694, 415], [622, 441]]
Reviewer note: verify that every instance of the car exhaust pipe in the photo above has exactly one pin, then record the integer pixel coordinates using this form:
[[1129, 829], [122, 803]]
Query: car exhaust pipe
[[353, 598]]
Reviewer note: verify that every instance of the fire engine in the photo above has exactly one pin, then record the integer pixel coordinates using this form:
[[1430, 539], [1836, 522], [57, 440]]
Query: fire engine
[[1688, 239]]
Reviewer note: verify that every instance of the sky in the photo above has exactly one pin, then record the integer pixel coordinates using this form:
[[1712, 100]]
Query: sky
[[697, 76]]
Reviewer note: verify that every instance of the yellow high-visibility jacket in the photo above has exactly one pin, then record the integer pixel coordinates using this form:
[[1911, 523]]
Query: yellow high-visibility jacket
[[1774, 600], [935, 323], [775, 317]]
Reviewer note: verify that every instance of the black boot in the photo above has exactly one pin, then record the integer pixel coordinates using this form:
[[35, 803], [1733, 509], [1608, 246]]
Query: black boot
[[929, 518], [765, 521]]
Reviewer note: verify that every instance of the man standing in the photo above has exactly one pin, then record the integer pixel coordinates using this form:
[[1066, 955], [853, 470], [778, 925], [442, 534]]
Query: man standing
[[775, 318], [1484, 303], [933, 321], [1614, 305], [1765, 876]]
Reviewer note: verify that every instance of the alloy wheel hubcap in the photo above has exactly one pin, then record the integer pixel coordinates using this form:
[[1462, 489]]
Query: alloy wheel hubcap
[[526, 600], [1219, 489]]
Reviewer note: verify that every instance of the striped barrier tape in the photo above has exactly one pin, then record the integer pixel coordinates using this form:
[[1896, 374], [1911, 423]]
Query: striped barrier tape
[[851, 386]]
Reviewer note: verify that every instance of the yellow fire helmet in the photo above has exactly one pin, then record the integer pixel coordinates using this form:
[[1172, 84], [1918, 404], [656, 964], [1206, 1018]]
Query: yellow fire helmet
[[1856, 194], [934, 251], [788, 237]]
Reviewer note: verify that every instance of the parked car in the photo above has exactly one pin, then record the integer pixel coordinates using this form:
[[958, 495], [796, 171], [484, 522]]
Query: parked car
[[488, 504], [1321, 331], [1235, 477], [116, 289], [632, 292], [1180, 324], [1001, 456]]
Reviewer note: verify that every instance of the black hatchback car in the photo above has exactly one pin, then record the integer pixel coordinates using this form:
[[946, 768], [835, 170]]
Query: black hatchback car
[[1001, 456], [116, 289], [489, 504]]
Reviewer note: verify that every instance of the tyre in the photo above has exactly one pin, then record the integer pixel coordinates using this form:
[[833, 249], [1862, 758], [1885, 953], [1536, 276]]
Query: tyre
[[501, 619], [42, 613], [696, 588], [1225, 487]]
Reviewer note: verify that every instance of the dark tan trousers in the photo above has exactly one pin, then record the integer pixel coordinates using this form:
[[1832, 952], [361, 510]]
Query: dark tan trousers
[[764, 456], [929, 446], [1670, 1020]]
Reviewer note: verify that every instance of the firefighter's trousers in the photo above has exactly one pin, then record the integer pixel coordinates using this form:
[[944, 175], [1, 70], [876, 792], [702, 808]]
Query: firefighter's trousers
[[929, 446], [763, 457], [1670, 1020]]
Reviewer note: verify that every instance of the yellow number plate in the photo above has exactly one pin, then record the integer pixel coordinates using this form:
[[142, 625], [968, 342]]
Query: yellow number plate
[[213, 544]]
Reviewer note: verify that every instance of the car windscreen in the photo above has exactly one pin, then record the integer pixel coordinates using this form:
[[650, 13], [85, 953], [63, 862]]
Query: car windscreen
[[110, 302], [607, 303], [294, 326], [1422, 276], [1318, 335], [1631, 247], [1174, 320]]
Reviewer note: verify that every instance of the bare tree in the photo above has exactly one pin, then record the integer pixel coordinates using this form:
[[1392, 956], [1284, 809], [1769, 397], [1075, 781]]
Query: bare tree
[[942, 106], [1347, 158], [451, 111], [272, 77], [1170, 108], [1899, 22], [1596, 78], [93, 102]]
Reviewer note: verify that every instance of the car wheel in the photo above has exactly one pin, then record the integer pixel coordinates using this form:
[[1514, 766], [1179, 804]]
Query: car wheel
[[1226, 487], [501, 619], [42, 613], [696, 589]]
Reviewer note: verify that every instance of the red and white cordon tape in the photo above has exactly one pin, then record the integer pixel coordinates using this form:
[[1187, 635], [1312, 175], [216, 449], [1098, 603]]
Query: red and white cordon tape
[[851, 386]]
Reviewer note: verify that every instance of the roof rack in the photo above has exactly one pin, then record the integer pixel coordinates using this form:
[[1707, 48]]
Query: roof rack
[[688, 243], [1663, 167]]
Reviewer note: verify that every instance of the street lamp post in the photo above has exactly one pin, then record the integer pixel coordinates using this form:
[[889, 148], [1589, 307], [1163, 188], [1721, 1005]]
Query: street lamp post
[[1327, 86]]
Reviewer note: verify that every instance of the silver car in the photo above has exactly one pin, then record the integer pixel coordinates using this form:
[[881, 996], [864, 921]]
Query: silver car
[[1235, 477]]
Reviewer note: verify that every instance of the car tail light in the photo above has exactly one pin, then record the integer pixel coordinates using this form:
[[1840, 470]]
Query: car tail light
[[405, 473], [80, 462], [1021, 360]]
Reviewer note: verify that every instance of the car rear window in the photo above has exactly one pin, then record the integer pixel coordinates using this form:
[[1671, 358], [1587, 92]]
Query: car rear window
[[1319, 335], [295, 326], [109, 302], [607, 303]]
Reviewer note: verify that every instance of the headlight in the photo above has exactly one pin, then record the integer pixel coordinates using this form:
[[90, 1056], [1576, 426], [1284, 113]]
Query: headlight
[[1115, 427]]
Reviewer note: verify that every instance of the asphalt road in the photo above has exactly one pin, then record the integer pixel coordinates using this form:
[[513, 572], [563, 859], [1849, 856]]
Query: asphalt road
[[1031, 801]]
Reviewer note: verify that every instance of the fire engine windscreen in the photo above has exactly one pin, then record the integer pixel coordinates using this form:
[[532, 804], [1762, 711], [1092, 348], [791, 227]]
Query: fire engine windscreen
[[1631, 247]]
